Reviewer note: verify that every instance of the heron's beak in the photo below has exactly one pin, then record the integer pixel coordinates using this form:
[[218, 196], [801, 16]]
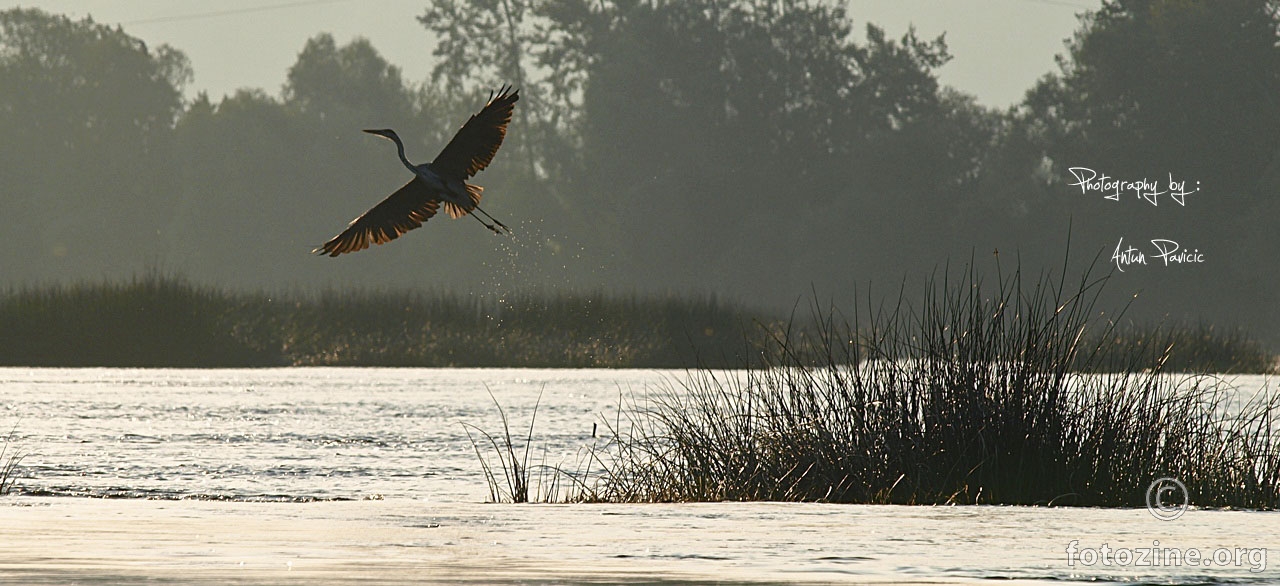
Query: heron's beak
[[386, 133]]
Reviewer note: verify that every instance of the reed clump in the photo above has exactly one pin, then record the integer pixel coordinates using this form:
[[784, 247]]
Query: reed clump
[[980, 394], [509, 462], [510, 474]]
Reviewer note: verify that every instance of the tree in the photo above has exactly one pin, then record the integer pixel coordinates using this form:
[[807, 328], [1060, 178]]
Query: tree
[[749, 134], [348, 83], [281, 174], [87, 113], [1170, 85], [482, 44], [478, 41], [1149, 89]]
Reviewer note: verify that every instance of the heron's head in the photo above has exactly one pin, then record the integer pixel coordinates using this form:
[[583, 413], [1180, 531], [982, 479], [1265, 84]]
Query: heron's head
[[386, 133]]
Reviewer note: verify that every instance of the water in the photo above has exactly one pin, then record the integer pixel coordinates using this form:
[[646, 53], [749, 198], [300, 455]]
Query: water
[[291, 434], [343, 474]]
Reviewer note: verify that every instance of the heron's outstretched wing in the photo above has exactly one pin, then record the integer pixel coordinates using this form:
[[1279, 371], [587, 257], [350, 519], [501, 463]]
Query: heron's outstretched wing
[[473, 147], [401, 212]]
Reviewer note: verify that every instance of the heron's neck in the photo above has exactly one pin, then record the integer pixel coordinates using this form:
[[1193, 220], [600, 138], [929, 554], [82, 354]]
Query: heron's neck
[[400, 150]]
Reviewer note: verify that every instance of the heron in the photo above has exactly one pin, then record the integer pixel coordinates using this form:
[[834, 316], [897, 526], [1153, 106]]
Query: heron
[[440, 183]]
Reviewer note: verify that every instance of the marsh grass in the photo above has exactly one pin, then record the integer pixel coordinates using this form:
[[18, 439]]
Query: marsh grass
[[514, 468], [10, 460], [151, 320], [509, 474], [159, 320], [1199, 347], [527, 330], [974, 396]]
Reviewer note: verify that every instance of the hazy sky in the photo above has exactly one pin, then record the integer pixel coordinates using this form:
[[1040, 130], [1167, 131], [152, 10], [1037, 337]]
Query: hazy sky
[[1000, 46]]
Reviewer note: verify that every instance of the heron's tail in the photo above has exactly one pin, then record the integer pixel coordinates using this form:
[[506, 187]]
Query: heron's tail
[[473, 193]]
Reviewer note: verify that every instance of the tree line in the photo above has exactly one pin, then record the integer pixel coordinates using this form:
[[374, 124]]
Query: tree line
[[760, 149]]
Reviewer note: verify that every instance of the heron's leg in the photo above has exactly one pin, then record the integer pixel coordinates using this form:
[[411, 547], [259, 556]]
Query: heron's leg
[[493, 219], [486, 224]]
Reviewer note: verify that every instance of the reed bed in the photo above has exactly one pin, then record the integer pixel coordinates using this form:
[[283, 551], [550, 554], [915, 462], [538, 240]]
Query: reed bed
[[1199, 347], [160, 320], [980, 394], [526, 330], [149, 320]]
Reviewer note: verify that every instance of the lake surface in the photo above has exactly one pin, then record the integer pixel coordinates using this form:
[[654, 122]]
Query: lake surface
[[332, 475]]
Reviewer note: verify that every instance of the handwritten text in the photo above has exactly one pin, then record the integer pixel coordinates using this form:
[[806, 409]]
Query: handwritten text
[[1145, 189], [1165, 251]]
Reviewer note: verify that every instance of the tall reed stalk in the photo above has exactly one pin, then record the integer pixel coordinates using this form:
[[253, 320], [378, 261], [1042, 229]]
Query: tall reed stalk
[[513, 467], [10, 459]]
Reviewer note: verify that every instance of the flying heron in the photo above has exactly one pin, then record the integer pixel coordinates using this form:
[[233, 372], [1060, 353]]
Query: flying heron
[[442, 182]]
